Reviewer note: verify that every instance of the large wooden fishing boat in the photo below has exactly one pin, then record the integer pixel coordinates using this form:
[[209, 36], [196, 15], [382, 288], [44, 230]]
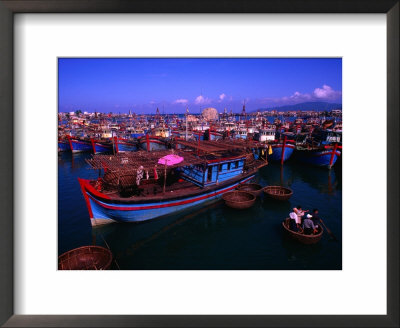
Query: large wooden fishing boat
[[78, 145], [101, 146], [322, 149], [281, 148], [139, 186], [151, 143], [125, 144]]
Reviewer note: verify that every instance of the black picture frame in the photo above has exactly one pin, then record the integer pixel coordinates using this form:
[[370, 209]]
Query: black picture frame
[[10, 7]]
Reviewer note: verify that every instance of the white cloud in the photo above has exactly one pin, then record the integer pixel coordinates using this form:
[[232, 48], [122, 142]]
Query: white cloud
[[202, 100], [222, 96], [297, 96], [326, 93], [181, 101]]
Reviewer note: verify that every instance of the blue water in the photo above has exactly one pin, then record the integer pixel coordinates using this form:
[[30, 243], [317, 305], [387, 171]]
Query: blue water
[[212, 236]]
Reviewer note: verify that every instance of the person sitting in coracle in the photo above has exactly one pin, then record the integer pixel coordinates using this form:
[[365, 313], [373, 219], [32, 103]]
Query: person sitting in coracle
[[308, 226], [315, 218]]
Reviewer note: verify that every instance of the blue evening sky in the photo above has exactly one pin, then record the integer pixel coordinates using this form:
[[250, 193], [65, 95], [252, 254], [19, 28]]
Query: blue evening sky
[[174, 84]]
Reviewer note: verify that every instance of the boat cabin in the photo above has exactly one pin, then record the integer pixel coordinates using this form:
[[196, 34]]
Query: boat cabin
[[161, 132], [215, 170], [325, 137], [264, 135], [241, 133]]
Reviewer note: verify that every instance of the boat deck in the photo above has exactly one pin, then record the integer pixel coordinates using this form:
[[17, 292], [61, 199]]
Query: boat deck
[[154, 192]]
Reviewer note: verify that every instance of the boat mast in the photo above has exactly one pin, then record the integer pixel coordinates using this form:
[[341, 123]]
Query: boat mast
[[186, 133]]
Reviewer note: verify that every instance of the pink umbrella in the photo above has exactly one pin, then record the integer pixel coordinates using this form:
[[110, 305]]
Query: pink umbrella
[[170, 160]]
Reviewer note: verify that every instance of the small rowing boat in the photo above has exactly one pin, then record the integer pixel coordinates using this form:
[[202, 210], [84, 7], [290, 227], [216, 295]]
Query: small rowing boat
[[278, 192], [86, 258], [239, 199], [253, 188], [301, 237]]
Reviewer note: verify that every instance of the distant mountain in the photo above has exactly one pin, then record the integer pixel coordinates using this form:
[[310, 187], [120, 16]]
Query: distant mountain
[[306, 106]]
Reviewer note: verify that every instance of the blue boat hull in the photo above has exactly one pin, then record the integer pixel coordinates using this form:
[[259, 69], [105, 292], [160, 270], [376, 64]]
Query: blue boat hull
[[137, 135], [102, 211], [80, 146], [154, 144], [63, 146], [196, 136], [323, 158], [125, 147], [276, 155], [99, 148]]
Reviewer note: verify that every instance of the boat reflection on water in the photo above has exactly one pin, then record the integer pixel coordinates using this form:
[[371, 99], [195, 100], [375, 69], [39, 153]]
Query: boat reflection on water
[[76, 161], [193, 231], [325, 181], [299, 256], [127, 238]]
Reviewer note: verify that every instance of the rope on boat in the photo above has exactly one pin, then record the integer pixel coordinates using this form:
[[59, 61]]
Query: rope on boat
[[115, 260]]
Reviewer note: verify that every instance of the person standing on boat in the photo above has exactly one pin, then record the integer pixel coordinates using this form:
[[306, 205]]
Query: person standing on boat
[[300, 214], [293, 222], [308, 226]]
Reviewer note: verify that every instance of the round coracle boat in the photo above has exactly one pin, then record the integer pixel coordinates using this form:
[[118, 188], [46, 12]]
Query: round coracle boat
[[252, 188], [86, 258], [301, 237], [278, 192], [239, 199]]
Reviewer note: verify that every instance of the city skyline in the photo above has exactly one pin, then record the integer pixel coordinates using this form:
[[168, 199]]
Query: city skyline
[[174, 84]]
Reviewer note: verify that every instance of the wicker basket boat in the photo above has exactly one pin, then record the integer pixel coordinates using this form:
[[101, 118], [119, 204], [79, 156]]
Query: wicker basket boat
[[302, 238], [86, 258], [278, 192], [239, 199], [252, 188]]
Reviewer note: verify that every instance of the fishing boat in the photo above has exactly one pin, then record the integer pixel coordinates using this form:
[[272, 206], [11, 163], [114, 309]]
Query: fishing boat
[[78, 145], [177, 133], [99, 146], [63, 144], [278, 192], [135, 132], [140, 186], [151, 143], [322, 156], [265, 134], [282, 148], [124, 144], [322, 149], [161, 132], [198, 135], [240, 133], [301, 237], [214, 135]]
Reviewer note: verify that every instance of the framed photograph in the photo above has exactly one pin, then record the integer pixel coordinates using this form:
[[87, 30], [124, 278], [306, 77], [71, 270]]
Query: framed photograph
[[213, 163]]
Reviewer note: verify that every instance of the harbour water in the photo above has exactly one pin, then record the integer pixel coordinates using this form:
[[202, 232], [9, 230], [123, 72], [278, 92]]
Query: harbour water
[[211, 236]]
